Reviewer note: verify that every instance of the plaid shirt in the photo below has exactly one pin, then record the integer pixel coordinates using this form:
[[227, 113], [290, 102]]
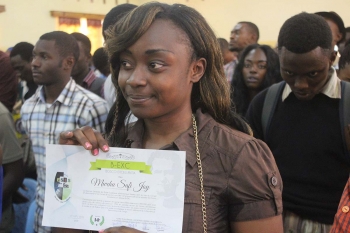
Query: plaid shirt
[[341, 222], [75, 107]]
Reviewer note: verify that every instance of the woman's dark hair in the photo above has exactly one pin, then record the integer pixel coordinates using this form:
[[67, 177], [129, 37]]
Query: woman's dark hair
[[239, 90], [211, 93]]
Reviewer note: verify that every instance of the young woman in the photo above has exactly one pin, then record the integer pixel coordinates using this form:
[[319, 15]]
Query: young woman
[[257, 69], [167, 67]]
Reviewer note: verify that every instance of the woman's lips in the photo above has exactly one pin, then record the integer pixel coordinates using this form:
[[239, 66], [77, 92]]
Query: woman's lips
[[138, 99]]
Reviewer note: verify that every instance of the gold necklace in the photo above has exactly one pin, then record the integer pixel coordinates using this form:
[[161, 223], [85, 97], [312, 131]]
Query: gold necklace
[[200, 173]]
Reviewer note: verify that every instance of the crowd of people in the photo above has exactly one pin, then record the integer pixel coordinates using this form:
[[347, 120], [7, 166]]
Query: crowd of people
[[268, 129]]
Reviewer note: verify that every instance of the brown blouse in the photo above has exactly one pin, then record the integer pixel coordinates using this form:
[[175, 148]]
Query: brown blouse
[[241, 179]]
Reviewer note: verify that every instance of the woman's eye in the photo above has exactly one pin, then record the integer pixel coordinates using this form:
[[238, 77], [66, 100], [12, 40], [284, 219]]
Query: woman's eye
[[262, 67], [125, 64], [155, 65], [313, 74], [247, 65]]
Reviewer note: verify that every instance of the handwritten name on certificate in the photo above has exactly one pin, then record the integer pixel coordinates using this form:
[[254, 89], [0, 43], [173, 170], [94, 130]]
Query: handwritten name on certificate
[[138, 188]]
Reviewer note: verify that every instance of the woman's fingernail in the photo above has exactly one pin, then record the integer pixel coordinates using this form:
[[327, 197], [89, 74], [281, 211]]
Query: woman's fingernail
[[88, 145], [95, 152], [105, 148], [100, 231]]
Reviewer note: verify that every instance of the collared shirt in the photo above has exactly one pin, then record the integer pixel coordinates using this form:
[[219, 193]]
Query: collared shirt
[[96, 88], [332, 89], [241, 179], [89, 79], [342, 218], [43, 122]]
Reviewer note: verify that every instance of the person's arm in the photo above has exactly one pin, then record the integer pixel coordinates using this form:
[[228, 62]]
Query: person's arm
[[266, 225], [13, 178], [12, 158], [255, 191]]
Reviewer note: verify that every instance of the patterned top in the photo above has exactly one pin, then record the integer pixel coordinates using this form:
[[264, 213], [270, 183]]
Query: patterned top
[[89, 79], [342, 218], [43, 122], [229, 69]]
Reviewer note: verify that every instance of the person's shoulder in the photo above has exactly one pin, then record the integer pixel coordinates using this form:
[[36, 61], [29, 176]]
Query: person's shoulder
[[90, 97], [225, 138]]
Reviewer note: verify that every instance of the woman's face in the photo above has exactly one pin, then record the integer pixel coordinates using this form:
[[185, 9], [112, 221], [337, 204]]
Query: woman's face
[[254, 68], [156, 73]]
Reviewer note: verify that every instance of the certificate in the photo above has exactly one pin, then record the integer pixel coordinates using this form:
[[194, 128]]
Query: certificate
[[138, 188]]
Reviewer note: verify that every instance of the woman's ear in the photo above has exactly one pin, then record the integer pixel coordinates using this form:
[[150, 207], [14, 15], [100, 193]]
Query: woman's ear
[[198, 69]]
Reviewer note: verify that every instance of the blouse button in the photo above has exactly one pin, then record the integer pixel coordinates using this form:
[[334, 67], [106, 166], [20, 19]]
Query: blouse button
[[274, 181], [345, 209]]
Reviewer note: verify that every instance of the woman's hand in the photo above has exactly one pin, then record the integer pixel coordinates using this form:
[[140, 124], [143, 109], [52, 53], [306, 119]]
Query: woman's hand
[[86, 136], [121, 230]]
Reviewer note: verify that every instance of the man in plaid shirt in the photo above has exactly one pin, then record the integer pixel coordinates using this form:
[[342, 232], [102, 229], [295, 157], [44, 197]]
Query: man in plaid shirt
[[59, 104]]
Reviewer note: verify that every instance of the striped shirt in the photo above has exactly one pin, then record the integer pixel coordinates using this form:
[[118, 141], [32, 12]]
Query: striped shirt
[[75, 107], [341, 222], [96, 88]]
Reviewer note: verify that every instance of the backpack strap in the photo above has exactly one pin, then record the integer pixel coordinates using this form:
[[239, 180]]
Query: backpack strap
[[270, 102], [344, 113]]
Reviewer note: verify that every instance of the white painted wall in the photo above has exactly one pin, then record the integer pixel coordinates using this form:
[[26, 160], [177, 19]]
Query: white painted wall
[[26, 20]]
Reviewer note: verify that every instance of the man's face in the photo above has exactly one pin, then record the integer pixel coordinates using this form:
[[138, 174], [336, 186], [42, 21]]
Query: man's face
[[83, 61], [240, 37], [306, 73], [22, 67], [47, 63]]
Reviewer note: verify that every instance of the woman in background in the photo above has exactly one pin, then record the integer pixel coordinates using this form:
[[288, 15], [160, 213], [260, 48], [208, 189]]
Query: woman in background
[[257, 69]]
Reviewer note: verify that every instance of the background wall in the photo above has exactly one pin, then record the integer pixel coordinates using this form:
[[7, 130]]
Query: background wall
[[26, 20]]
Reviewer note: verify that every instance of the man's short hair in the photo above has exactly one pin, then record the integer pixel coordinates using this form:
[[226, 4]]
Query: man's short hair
[[252, 27], [24, 49], [84, 40], [65, 43], [304, 32], [115, 14]]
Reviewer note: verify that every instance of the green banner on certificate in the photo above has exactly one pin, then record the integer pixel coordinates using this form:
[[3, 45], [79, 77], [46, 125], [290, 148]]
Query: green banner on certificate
[[120, 165]]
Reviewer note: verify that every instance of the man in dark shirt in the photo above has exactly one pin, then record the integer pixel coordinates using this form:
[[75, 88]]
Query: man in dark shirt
[[305, 133]]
